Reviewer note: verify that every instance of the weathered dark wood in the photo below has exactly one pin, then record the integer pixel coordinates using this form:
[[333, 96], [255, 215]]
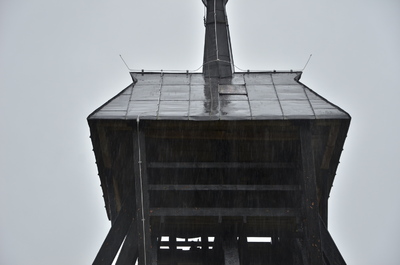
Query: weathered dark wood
[[329, 247], [142, 197], [154, 250], [265, 212], [129, 252], [231, 251], [310, 200], [220, 187], [219, 165], [111, 195], [116, 235], [204, 249], [300, 248], [243, 248], [323, 202]]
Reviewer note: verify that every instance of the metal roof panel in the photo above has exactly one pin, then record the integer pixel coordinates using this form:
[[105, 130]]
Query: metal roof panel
[[190, 96]]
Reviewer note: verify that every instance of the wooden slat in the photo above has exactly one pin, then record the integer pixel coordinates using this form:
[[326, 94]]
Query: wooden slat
[[218, 165], [265, 212], [224, 187]]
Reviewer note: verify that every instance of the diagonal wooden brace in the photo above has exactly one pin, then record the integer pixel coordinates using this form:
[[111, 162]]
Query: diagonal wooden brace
[[117, 233]]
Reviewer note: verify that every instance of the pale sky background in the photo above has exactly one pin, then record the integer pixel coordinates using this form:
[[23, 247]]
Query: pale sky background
[[59, 61]]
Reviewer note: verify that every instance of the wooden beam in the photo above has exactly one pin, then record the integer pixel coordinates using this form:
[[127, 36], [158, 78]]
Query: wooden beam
[[219, 187], [329, 247], [154, 249], [172, 248], [310, 201], [142, 197], [204, 249], [219, 165], [231, 251], [116, 235], [129, 252], [243, 248], [225, 212], [301, 250]]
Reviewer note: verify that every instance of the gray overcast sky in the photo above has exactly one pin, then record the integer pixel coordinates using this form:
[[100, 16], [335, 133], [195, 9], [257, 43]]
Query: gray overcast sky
[[59, 61]]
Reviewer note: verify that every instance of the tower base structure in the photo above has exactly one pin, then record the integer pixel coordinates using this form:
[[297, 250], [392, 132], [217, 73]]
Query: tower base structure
[[222, 180]]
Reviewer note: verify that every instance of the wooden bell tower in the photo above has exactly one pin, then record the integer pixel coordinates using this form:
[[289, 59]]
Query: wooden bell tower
[[218, 167]]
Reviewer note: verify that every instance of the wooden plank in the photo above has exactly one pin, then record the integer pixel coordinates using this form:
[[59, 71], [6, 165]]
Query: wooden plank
[[116, 235], [310, 200], [219, 187], [129, 252], [223, 130], [329, 247], [219, 165], [220, 212]]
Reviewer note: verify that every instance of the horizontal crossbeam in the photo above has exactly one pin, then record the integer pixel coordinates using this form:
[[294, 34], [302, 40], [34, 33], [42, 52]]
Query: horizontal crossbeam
[[228, 212], [219, 165], [219, 187]]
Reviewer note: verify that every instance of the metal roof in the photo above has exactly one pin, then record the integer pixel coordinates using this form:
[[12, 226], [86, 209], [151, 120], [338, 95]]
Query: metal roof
[[191, 96]]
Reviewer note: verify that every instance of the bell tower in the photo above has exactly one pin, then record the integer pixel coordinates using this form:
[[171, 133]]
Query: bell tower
[[218, 167]]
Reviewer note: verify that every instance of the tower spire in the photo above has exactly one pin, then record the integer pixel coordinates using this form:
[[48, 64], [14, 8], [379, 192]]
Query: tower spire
[[218, 60]]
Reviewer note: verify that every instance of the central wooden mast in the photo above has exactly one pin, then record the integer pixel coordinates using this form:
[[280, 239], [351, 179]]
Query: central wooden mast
[[218, 61]]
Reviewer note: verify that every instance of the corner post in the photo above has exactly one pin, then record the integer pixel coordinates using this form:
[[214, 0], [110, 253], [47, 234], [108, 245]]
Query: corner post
[[310, 201]]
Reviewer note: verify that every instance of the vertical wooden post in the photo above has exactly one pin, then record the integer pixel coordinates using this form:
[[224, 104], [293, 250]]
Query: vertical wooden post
[[243, 249], [231, 252], [154, 249], [142, 198], [204, 249], [310, 200], [172, 248]]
